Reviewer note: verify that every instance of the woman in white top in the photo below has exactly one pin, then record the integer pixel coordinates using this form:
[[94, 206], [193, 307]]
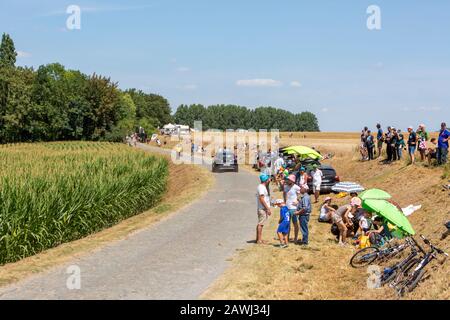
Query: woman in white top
[[325, 209]]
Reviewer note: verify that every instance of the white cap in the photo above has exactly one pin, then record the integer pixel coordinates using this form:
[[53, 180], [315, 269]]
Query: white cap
[[279, 201]]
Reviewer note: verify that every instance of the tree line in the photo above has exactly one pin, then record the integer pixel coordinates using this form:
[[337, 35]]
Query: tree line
[[224, 117], [53, 103]]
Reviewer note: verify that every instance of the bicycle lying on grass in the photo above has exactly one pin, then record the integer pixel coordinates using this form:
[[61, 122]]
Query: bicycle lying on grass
[[394, 273], [369, 255], [410, 278]]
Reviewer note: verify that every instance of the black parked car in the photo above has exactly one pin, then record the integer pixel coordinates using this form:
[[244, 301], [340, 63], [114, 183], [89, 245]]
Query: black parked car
[[225, 160], [329, 179]]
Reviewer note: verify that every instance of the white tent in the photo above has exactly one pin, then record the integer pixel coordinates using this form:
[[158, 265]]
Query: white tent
[[169, 126]]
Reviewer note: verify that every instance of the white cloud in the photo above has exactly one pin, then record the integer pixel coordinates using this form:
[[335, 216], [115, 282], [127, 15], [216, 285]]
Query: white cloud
[[183, 69], [295, 84], [259, 83], [23, 54]]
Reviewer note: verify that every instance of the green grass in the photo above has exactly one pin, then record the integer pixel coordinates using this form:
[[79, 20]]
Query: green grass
[[51, 193], [446, 174]]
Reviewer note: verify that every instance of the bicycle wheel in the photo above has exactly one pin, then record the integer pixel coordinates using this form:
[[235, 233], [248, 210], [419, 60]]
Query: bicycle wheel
[[364, 257], [403, 272], [414, 282]]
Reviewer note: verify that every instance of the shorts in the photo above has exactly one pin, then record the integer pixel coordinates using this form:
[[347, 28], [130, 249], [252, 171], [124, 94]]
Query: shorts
[[380, 143], [283, 227], [335, 218], [294, 217], [262, 217], [412, 149], [316, 188]]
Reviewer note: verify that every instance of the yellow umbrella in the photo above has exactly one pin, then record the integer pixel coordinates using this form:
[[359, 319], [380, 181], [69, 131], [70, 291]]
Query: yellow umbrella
[[304, 152]]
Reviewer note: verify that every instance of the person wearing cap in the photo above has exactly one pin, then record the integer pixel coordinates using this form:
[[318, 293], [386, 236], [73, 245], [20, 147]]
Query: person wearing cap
[[303, 177], [317, 181], [325, 209], [304, 209], [422, 138], [356, 214], [412, 144], [284, 223], [263, 206], [290, 194], [442, 149]]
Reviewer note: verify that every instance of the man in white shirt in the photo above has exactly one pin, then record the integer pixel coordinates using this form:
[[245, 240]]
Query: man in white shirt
[[279, 162], [317, 181], [263, 206], [290, 194]]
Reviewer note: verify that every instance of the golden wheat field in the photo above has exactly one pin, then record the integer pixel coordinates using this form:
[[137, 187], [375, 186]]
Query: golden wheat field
[[321, 270]]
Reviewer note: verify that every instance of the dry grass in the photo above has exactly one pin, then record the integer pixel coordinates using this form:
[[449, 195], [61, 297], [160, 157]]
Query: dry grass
[[322, 271], [195, 181]]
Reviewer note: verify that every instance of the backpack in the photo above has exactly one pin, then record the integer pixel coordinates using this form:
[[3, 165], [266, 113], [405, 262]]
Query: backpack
[[364, 242], [334, 229]]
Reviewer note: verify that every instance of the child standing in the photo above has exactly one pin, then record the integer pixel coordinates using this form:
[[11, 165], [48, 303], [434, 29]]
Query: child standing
[[283, 224]]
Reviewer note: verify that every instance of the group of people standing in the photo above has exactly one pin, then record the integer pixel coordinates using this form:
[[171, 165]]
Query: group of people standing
[[396, 142], [296, 207]]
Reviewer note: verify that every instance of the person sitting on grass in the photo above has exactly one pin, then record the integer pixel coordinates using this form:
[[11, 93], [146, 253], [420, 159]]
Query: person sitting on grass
[[381, 233], [336, 218], [283, 223], [431, 150], [326, 207], [365, 223]]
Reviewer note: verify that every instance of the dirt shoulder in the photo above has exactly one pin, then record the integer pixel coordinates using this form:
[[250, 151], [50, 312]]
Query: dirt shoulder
[[195, 182], [321, 270]]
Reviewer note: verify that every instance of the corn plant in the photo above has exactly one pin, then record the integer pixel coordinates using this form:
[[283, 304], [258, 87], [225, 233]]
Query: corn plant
[[51, 193]]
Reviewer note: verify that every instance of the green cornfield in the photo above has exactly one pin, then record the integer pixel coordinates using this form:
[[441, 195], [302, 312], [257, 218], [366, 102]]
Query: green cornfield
[[51, 193]]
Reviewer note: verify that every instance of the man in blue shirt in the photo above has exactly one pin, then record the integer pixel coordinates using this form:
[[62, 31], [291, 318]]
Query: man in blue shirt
[[442, 148], [379, 139], [304, 209]]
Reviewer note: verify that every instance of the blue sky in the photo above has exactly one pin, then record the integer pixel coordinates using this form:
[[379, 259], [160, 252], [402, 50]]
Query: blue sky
[[298, 55]]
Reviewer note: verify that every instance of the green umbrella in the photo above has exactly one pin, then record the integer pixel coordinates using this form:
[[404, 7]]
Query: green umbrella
[[390, 212], [374, 194], [304, 152]]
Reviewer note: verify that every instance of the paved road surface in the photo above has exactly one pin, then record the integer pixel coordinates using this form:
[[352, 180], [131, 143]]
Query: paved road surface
[[177, 258]]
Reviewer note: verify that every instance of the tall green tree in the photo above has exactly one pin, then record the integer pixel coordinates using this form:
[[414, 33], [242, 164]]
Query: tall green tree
[[153, 107], [8, 52]]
